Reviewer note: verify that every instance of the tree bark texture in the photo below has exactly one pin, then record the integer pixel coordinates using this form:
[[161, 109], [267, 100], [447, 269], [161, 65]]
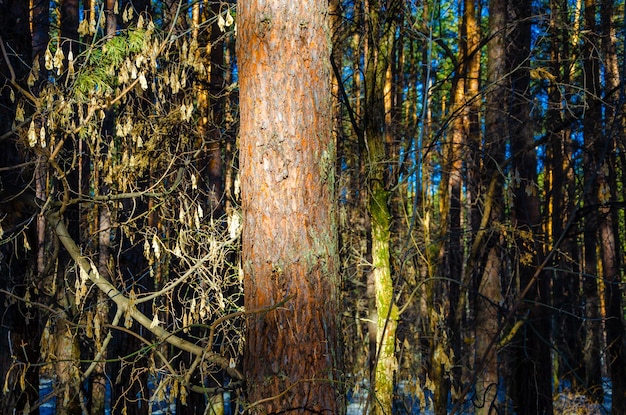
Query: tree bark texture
[[489, 281], [592, 128], [559, 188], [532, 365], [287, 175], [378, 54], [609, 232]]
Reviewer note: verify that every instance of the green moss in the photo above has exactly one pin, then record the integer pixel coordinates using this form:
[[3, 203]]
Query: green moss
[[327, 166], [323, 248]]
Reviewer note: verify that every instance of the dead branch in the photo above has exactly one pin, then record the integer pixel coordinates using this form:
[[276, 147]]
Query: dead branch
[[125, 304]]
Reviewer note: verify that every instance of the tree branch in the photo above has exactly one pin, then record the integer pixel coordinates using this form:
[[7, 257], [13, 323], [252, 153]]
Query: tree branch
[[13, 79], [125, 303]]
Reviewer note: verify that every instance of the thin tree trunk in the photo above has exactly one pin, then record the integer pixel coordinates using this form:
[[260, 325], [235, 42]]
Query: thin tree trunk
[[213, 116], [67, 352], [566, 287], [609, 236], [591, 127], [472, 157], [380, 38]]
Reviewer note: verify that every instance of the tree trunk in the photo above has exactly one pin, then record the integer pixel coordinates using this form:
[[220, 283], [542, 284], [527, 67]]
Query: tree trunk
[[614, 324], [560, 198], [453, 269], [211, 101], [68, 20], [287, 177], [380, 38], [609, 236], [111, 17], [472, 160], [591, 128], [532, 362], [489, 284], [489, 294], [67, 353]]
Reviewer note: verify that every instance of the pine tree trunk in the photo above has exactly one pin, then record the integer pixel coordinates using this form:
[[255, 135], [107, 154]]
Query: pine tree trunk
[[491, 180], [532, 364], [212, 119], [287, 178], [559, 204], [609, 236], [591, 128]]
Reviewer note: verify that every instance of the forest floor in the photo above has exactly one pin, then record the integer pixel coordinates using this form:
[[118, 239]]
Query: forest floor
[[565, 403]]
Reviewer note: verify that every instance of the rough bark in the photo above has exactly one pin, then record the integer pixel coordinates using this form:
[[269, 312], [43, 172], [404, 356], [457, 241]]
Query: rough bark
[[591, 127], [489, 289], [380, 40], [614, 324], [209, 90], [454, 253], [215, 114], [489, 294], [559, 205], [67, 352], [68, 21], [609, 234], [532, 364], [287, 174], [40, 25], [111, 18], [473, 140]]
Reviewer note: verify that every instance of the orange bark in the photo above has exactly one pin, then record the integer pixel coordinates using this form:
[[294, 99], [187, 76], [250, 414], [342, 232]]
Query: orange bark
[[289, 244]]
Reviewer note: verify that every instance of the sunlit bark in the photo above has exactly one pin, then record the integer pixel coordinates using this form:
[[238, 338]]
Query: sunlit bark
[[287, 175], [380, 37], [473, 140]]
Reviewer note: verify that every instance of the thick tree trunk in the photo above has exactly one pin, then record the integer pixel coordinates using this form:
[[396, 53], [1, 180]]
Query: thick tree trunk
[[67, 354], [473, 139], [111, 18], [473, 9], [104, 225], [287, 176]]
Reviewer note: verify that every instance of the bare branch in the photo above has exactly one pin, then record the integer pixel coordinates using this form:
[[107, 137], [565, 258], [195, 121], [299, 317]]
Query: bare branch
[[125, 304]]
